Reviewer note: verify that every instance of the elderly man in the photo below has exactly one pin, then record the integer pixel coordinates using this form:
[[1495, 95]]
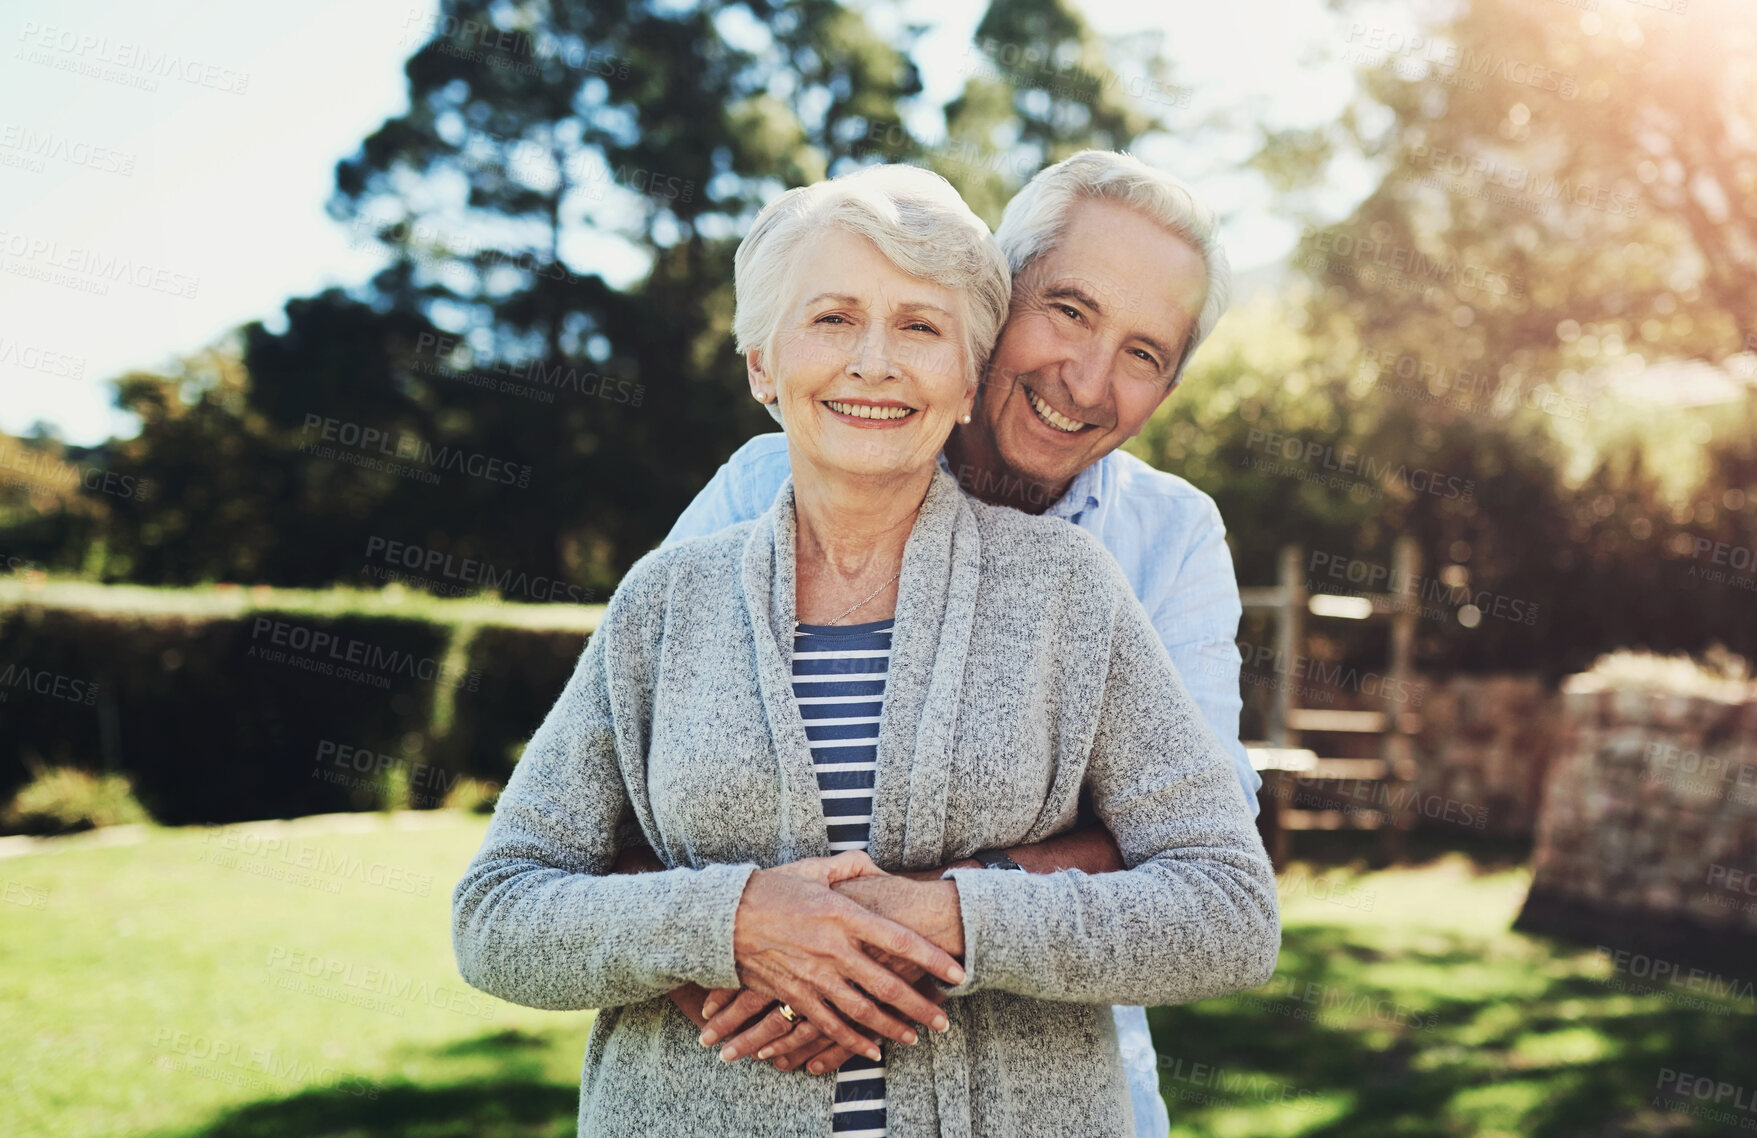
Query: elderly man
[[1118, 277]]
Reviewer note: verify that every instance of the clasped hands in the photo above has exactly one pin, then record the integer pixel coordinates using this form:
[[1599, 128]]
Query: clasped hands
[[837, 939]]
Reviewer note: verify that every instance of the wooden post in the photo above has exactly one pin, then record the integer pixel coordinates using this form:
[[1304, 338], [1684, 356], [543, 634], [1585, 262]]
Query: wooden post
[[1289, 638], [1399, 748]]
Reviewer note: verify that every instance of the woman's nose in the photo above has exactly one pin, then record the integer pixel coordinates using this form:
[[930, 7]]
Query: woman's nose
[[873, 359]]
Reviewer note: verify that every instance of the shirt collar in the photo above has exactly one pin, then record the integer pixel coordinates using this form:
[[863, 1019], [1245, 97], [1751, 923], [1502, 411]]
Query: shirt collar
[[1086, 492]]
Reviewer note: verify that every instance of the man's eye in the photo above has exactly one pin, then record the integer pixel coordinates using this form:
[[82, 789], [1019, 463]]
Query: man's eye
[[1146, 356], [1068, 310]]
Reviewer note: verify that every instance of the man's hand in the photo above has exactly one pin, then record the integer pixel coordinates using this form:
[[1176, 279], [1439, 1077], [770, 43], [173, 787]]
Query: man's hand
[[1091, 850]]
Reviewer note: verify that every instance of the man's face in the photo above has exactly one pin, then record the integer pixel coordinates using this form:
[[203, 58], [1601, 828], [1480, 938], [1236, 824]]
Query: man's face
[[1092, 342]]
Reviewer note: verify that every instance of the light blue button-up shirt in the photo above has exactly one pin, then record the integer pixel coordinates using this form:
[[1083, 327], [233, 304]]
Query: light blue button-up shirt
[[1169, 539]]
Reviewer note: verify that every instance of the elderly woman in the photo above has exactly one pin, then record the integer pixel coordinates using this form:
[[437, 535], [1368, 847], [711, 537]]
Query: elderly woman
[[879, 675]]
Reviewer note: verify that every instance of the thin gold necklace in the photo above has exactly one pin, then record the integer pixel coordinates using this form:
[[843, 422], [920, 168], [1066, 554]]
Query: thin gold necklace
[[869, 597], [894, 576]]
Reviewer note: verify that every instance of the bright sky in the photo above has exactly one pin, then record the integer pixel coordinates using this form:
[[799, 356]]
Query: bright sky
[[146, 210]]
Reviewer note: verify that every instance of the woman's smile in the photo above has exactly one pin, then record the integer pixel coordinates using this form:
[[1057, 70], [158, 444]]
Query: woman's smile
[[870, 414]]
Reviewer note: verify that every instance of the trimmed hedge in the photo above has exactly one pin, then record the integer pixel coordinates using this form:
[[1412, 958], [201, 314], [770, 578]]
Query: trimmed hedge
[[519, 674], [264, 713]]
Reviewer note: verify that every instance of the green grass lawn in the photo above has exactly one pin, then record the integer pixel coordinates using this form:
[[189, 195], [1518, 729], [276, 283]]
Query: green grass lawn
[[206, 983]]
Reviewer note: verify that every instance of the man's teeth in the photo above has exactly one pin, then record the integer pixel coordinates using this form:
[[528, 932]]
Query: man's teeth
[[1053, 417], [868, 411]]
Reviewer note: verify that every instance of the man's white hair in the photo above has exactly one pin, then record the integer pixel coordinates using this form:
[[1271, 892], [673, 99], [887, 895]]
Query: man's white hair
[[917, 221], [1034, 220]]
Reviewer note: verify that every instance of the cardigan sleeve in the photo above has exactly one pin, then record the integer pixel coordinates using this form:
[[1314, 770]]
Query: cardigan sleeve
[[1195, 913], [539, 920]]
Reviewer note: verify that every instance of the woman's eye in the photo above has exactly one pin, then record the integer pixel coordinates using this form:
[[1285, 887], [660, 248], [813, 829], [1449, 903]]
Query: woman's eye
[[918, 326], [829, 317], [1068, 310]]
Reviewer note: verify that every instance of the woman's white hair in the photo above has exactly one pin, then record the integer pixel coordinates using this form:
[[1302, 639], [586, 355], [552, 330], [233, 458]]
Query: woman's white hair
[[1034, 220], [917, 221]]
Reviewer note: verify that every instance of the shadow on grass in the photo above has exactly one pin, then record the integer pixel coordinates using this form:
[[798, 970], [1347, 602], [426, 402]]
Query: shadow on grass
[[515, 1103], [1370, 849], [1348, 1050]]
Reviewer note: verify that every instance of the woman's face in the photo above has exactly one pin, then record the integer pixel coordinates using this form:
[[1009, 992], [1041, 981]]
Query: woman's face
[[868, 364]]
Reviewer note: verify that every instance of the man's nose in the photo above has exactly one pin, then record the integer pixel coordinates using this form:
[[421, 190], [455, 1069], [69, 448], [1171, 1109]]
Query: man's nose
[[1086, 375]]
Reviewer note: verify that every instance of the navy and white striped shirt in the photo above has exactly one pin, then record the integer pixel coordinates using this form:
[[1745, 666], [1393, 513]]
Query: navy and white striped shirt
[[839, 685]]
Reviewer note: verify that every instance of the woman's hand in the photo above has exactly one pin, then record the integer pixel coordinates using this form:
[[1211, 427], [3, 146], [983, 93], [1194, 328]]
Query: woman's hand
[[796, 940], [929, 907]]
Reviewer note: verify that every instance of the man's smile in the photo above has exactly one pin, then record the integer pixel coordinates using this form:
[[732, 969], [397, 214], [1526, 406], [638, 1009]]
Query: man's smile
[[1050, 415]]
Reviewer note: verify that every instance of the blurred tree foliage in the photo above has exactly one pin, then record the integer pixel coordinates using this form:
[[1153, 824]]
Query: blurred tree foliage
[[1565, 202], [560, 206], [1560, 199]]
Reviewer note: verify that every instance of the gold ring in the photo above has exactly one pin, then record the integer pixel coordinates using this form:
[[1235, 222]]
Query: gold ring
[[787, 1013]]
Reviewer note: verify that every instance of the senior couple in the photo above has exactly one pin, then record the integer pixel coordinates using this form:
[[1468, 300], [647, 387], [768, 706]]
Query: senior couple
[[880, 782]]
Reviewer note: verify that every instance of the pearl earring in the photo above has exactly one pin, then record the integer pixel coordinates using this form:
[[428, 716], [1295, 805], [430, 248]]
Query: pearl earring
[[964, 419]]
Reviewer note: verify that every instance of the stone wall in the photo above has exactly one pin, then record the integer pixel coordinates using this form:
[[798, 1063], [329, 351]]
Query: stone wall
[[1486, 743], [1649, 820]]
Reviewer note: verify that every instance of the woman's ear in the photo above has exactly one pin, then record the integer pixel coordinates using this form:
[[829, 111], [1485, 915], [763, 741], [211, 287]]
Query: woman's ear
[[762, 385]]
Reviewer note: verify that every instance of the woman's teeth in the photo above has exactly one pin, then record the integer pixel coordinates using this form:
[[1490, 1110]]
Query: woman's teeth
[[1051, 416], [868, 411]]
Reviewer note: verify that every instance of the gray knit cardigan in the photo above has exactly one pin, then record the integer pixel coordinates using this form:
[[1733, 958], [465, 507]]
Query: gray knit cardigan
[[1023, 671]]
